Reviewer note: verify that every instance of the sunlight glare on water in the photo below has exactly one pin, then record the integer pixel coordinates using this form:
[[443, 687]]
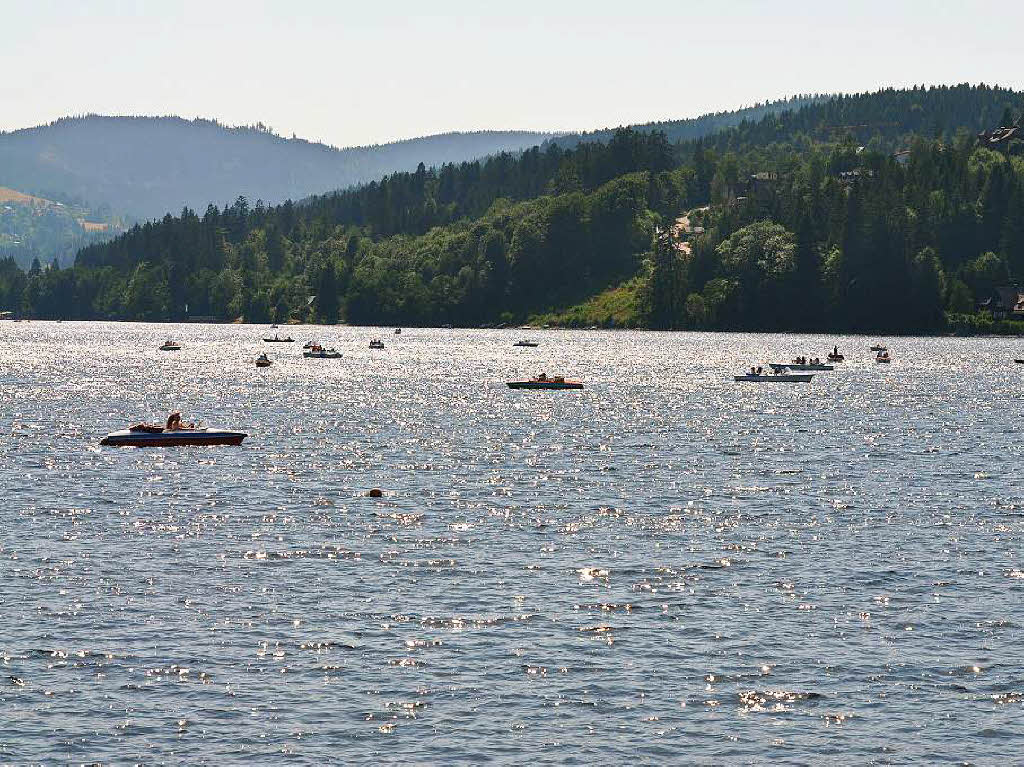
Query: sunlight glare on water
[[666, 565]]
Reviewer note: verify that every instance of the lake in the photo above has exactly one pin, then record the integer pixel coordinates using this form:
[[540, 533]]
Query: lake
[[665, 566]]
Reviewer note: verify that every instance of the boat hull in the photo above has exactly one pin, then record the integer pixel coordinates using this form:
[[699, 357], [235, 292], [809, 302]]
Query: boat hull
[[188, 437], [781, 378], [549, 385], [322, 355]]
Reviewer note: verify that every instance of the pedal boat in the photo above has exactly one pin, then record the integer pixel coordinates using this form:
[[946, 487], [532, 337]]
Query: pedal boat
[[144, 435], [544, 382]]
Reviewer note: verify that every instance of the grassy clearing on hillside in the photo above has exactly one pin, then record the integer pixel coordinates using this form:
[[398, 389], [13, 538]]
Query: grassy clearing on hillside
[[12, 195], [617, 307]]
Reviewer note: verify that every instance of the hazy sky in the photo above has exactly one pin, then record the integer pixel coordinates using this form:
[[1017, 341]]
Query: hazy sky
[[368, 72]]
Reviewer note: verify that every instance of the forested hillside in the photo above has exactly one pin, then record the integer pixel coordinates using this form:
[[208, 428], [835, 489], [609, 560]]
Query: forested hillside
[[146, 166], [807, 219], [37, 229]]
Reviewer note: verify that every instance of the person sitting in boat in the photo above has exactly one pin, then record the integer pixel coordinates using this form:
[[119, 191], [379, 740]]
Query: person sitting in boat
[[753, 370], [174, 422], [542, 377]]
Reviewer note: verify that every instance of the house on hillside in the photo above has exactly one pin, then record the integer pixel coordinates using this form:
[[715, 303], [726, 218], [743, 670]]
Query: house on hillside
[[849, 177], [1006, 302], [902, 157], [760, 184]]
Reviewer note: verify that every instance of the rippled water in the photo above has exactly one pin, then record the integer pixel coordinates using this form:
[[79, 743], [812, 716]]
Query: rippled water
[[666, 566]]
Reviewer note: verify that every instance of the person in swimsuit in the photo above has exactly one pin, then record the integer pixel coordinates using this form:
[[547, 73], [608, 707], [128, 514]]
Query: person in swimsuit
[[174, 422]]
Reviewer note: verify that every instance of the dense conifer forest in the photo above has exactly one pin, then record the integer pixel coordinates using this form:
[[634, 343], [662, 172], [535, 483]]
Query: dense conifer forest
[[874, 212]]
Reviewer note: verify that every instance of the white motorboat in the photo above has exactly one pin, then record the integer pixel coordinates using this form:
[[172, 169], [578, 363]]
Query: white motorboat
[[319, 352], [145, 435], [800, 366], [775, 377]]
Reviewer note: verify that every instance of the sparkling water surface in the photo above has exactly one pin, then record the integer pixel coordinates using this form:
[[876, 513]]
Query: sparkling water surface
[[664, 567]]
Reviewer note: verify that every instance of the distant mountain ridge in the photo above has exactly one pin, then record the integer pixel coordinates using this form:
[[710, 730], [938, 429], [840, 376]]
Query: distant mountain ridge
[[145, 167], [690, 128]]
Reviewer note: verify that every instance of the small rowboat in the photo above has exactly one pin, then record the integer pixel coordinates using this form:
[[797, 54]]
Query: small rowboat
[[544, 382], [170, 346], [278, 340], [799, 366], [155, 436], [836, 358], [883, 357], [776, 378], [376, 344], [529, 344], [263, 361], [1019, 362], [398, 331], [879, 348]]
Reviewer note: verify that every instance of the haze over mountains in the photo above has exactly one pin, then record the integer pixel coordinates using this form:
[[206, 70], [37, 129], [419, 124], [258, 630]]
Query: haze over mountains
[[145, 167]]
